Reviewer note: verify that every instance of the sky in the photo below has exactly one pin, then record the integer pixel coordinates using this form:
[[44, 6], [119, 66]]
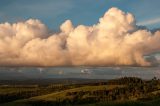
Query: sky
[[51, 33], [86, 12], [79, 33]]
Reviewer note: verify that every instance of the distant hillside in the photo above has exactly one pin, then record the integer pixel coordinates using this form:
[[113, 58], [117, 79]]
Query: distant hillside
[[126, 91]]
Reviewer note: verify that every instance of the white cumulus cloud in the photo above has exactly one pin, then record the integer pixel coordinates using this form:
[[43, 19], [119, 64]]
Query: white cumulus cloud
[[115, 40]]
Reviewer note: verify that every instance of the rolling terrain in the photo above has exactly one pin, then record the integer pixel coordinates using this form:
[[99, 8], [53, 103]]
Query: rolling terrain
[[126, 91]]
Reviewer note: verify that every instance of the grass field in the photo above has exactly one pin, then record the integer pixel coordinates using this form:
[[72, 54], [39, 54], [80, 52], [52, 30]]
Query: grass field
[[9, 90]]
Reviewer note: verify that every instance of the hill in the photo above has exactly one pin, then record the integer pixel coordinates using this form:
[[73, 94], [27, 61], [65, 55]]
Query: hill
[[127, 91]]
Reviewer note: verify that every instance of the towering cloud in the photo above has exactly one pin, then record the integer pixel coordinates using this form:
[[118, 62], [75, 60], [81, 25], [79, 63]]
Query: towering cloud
[[115, 40]]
